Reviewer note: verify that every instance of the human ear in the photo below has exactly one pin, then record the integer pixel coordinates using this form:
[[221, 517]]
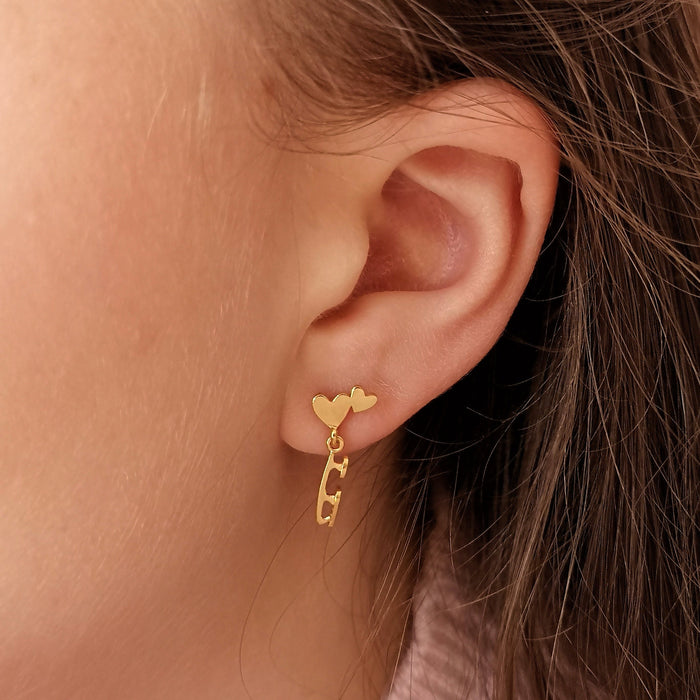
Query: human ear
[[455, 203]]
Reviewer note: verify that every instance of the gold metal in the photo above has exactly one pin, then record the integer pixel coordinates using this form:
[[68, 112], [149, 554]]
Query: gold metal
[[335, 443], [333, 413], [323, 496]]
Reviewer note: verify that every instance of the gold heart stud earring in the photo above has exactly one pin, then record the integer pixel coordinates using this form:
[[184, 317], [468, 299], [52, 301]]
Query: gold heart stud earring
[[333, 413]]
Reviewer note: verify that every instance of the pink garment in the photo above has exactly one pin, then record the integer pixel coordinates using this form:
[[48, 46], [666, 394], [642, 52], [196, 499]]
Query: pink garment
[[450, 656], [445, 660]]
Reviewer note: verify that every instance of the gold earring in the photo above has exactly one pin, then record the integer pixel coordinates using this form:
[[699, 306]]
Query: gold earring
[[333, 413]]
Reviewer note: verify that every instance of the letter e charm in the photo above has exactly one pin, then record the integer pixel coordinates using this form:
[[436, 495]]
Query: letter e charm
[[323, 495]]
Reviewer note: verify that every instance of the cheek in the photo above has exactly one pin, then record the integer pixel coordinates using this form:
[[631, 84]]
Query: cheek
[[128, 241], [112, 254]]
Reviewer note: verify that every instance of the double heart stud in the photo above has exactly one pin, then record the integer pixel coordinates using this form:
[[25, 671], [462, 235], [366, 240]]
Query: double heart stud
[[333, 413]]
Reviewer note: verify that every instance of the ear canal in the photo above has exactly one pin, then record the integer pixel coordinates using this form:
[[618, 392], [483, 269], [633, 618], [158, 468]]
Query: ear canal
[[423, 227], [416, 239]]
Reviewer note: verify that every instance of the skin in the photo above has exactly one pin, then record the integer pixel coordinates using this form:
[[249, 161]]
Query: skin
[[161, 266], [141, 371]]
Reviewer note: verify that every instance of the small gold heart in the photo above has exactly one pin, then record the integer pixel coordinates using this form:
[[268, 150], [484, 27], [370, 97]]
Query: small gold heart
[[332, 413], [360, 400]]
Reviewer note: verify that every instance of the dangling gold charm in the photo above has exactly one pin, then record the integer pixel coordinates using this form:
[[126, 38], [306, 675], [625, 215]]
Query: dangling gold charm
[[333, 413]]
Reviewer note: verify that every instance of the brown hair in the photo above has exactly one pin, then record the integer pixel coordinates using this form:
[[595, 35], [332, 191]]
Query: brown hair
[[577, 514]]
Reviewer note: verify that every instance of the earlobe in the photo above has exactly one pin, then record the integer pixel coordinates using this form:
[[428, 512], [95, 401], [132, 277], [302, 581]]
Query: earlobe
[[454, 232]]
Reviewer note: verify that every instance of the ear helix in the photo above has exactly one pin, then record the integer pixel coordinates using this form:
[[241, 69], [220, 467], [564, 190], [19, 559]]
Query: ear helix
[[333, 413]]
